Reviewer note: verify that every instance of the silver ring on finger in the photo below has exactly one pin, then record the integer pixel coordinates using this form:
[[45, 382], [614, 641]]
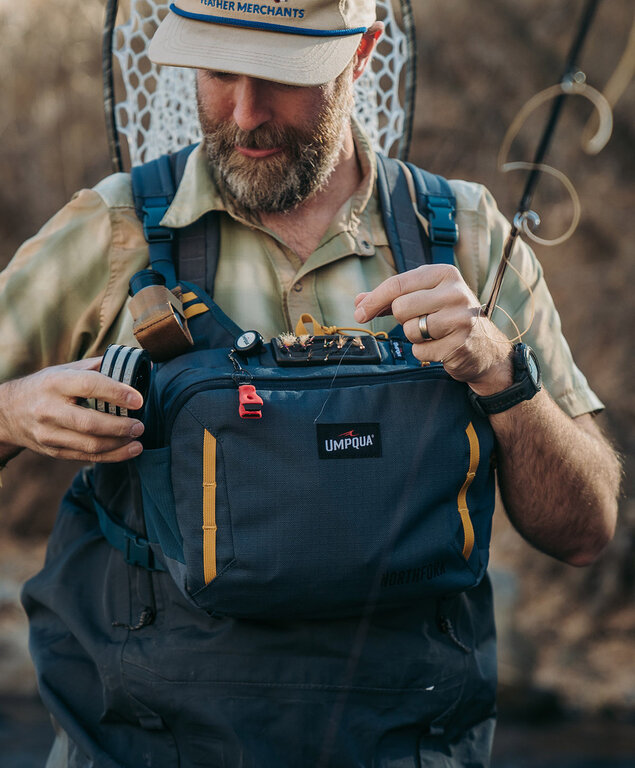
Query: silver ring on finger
[[423, 328]]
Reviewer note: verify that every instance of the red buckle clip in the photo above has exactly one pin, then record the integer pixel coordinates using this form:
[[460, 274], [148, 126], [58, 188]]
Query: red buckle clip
[[250, 402]]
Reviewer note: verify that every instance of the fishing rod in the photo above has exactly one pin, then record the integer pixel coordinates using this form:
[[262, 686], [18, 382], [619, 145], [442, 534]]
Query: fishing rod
[[524, 215]]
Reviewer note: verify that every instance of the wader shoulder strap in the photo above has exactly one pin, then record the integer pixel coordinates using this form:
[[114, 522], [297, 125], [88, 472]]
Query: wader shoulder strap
[[410, 245], [154, 185]]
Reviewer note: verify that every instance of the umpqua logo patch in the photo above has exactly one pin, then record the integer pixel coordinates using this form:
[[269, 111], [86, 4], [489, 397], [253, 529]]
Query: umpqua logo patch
[[349, 441], [274, 8]]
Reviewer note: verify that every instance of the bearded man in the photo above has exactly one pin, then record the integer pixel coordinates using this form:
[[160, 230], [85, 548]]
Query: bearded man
[[132, 671]]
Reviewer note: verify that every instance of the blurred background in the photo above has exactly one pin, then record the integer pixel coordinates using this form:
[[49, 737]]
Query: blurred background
[[567, 657]]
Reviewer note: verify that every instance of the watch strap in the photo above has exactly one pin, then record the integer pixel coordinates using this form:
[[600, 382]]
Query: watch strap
[[486, 405], [523, 388]]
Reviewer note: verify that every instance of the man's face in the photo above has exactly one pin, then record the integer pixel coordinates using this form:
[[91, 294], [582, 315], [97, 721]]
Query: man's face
[[274, 145]]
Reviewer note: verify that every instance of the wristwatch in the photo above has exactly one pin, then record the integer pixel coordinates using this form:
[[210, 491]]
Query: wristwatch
[[527, 381]]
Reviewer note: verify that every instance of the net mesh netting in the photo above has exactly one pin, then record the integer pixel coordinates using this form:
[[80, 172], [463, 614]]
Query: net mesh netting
[[159, 115]]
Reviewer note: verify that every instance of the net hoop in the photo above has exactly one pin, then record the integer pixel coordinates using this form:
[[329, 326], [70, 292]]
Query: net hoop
[[157, 111]]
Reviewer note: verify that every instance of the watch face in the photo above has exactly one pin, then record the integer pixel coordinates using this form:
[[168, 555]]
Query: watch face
[[533, 369]]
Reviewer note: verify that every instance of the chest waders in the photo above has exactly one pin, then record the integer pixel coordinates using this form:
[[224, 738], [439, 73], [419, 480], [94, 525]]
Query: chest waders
[[303, 589]]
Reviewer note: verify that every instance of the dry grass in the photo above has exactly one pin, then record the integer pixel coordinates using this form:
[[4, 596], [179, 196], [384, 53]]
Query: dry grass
[[51, 125]]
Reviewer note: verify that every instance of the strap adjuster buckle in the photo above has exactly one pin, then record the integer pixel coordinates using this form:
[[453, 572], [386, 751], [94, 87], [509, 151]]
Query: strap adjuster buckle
[[442, 227], [138, 551], [152, 229]]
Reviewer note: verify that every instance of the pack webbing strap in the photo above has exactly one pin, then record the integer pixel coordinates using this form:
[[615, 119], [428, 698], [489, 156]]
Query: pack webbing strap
[[231, 330], [195, 309], [198, 251], [437, 203], [154, 185], [402, 228], [135, 548], [179, 161]]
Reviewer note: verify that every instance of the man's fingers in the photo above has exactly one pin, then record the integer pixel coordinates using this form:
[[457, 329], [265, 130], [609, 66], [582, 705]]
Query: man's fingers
[[42, 413], [436, 351], [360, 297], [90, 422], [380, 300], [91, 434], [426, 302], [436, 330], [91, 384], [380, 313], [442, 323], [97, 450], [86, 445]]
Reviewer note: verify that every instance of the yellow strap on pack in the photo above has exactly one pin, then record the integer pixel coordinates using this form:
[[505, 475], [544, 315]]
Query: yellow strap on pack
[[464, 512], [330, 330], [195, 309], [209, 507]]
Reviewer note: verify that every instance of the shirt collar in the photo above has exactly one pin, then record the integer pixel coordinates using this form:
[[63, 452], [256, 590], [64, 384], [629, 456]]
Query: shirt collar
[[197, 193]]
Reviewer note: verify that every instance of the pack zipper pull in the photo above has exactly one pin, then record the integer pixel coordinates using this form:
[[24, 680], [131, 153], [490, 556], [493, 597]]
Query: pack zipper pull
[[250, 402]]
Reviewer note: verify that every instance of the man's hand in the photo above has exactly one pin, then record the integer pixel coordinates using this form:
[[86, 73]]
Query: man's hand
[[42, 412], [470, 347]]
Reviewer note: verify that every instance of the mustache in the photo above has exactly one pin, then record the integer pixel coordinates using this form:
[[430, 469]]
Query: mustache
[[295, 141], [264, 137]]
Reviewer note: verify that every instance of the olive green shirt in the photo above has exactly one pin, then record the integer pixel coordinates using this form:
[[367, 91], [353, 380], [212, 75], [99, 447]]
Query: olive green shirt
[[64, 295]]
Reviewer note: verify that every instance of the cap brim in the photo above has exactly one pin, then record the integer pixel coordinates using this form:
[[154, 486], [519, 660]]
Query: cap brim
[[279, 56]]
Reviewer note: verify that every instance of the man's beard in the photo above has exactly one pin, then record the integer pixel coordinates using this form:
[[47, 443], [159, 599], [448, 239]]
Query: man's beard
[[286, 179]]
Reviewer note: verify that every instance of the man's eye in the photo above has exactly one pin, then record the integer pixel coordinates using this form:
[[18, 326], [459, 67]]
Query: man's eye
[[289, 87], [220, 76]]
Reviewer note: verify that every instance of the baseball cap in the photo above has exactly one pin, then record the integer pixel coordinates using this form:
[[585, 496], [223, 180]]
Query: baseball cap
[[299, 42]]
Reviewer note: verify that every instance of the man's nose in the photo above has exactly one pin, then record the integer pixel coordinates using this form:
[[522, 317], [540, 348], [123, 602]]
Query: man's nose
[[252, 103]]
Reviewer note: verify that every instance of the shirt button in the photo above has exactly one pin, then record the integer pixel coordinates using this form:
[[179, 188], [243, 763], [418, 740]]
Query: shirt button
[[366, 247], [297, 287]]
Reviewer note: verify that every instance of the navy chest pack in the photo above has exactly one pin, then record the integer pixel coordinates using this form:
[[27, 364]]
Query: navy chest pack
[[366, 479]]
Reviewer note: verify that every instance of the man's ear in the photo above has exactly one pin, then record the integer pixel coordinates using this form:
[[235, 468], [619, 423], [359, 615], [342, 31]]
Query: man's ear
[[366, 47]]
